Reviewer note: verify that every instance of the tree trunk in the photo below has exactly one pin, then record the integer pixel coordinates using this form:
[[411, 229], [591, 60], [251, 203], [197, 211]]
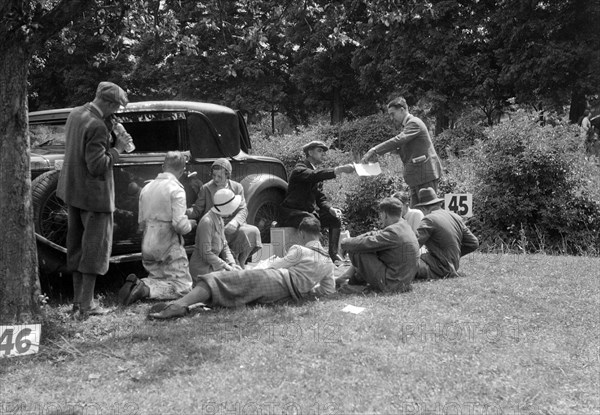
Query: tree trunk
[[578, 105], [337, 107], [442, 122], [19, 283]]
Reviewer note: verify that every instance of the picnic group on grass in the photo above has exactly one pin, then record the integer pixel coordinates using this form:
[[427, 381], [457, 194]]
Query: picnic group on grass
[[417, 238]]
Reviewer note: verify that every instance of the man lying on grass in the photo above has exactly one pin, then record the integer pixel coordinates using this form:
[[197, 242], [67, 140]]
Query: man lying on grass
[[305, 271]]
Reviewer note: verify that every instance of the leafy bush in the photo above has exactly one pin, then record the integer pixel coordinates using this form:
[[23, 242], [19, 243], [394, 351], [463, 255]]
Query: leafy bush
[[359, 135], [529, 189], [453, 142], [361, 195], [287, 147]]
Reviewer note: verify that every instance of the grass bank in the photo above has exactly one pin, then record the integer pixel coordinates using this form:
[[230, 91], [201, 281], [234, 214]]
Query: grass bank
[[517, 335]]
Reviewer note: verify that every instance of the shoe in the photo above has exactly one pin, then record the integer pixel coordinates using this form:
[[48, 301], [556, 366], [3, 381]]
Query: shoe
[[95, 310], [133, 290], [75, 309], [171, 311]]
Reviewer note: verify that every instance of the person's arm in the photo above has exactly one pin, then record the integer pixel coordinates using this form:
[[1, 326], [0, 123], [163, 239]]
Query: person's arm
[[204, 245], [241, 214], [424, 231], [198, 209], [293, 256], [469, 241], [326, 286], [180, 221], [141, 213], [410, 132], [226, 254], [302, 173], [370, 242], [98, 158]]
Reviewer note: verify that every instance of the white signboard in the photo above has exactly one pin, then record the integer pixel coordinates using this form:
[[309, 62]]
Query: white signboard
[[19, 340], [459, 203]]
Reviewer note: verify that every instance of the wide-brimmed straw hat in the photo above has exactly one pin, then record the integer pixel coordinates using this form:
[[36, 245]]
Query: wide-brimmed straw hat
[[225, 202], [428, 197]]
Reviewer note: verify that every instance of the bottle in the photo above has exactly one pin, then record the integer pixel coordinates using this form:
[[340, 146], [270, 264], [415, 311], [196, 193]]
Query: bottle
[[120, 130]]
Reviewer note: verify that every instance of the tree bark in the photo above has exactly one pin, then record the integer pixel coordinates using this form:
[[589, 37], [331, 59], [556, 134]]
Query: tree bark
[[19, 283], [337, 107], [578, 105]]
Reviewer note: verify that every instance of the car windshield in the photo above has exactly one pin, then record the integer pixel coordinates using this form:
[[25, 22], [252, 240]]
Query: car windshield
[[41, 135]]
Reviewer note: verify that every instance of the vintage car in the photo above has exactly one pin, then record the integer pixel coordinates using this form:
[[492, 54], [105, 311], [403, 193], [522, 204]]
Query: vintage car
[[204, 131]]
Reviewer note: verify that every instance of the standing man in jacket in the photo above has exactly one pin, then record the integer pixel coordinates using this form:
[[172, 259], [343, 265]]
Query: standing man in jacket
[[87, 186], [305, 197], [422, 167]]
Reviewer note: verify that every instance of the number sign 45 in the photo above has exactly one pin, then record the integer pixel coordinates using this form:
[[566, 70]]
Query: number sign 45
[[459, 203], [19, 340]]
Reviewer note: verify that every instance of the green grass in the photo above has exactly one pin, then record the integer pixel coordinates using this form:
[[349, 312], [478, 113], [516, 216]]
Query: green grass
[[517, 335]]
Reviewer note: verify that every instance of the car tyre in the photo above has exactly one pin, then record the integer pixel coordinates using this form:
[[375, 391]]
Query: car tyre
[[265, 211]]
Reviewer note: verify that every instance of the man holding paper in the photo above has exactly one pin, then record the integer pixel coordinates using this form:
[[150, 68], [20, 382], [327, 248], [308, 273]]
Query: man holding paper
[[305, 197], [422, 167]]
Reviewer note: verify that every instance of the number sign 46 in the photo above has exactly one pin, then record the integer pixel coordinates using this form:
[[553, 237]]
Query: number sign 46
[[459, 203], [19, 340]]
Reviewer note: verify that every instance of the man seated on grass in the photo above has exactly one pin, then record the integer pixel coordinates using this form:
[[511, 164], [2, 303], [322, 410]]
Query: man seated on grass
[[306, 270], [387, 259], [445, 236]]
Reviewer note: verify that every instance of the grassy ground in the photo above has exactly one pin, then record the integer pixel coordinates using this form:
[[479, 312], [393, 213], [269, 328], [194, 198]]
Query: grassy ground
[[517, 335]]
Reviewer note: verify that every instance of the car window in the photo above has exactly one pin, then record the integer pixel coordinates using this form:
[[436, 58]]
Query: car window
[[155, 131], [41, 135]]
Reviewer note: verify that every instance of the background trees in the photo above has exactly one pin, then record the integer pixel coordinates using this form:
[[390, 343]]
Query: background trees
[[345, 57]]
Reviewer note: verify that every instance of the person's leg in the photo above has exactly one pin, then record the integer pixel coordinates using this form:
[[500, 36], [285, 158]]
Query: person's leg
[[291, 217], [96, 244], [74, 243], [369, 269], [200, 294], [423, 272], [77, 287], [334, 226]]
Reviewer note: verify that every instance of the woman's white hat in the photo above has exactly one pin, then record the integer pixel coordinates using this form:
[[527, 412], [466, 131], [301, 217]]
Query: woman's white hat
[[225, 202]]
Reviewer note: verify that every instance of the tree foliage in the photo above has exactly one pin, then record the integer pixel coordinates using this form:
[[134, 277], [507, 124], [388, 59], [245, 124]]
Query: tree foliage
[[347, 57]]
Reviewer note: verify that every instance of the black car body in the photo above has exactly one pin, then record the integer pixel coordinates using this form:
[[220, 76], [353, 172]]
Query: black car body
[[204, 131]]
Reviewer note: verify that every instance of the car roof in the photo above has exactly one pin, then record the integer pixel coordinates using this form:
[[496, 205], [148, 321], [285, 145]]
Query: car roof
[[61, 115]]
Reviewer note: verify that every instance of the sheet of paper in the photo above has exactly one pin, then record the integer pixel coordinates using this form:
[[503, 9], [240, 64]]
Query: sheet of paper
[[371, 169], [353, 309]]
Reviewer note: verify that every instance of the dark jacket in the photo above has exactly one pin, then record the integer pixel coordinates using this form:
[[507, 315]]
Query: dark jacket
[[396, 246], [414, 145], [305, 188], [86, 179], [447, 239]]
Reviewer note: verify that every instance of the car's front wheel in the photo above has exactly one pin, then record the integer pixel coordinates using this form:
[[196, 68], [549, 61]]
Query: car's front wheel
[[50, 221], [49, 212], [264, 210]]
